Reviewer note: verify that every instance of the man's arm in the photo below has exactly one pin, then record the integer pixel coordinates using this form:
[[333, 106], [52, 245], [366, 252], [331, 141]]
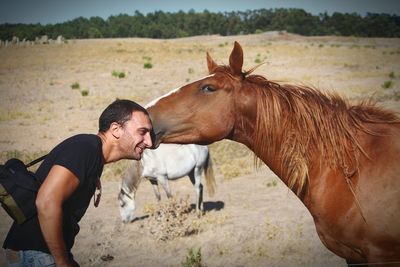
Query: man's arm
[[59, 184]]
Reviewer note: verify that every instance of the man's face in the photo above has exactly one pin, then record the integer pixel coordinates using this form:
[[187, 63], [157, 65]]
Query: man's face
[[136, 136]]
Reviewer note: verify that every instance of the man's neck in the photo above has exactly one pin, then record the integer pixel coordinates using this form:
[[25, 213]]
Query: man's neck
[[106, 148]]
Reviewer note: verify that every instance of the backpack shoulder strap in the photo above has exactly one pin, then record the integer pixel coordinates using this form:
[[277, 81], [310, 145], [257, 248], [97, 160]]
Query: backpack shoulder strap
[[33, 162]]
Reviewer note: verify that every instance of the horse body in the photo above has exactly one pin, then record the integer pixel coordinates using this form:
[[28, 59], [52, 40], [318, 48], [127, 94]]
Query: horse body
[[368, 231], [167, 162], [342, 161]]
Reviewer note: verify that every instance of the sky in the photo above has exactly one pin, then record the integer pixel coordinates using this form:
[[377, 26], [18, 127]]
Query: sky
[[57, 11]]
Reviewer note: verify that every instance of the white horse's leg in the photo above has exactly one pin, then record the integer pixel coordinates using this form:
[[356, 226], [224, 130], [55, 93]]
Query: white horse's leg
[[195, 178], [155, 188], [163, 180]]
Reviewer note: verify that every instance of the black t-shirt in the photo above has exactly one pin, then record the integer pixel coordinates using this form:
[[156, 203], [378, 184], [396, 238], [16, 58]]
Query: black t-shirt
[[82, 155]]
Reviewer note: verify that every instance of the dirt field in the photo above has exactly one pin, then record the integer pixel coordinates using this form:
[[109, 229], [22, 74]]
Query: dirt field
[[253, 219]]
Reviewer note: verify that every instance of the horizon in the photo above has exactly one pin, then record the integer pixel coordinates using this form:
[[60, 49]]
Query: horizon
[[53, 11]]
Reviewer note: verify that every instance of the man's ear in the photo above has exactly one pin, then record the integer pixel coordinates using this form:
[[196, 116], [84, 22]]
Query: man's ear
[[115, 130]]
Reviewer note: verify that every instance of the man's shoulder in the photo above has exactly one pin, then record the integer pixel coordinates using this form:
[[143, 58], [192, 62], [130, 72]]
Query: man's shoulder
[[80, 154], [78, 147], [82, 141], [83, 138]]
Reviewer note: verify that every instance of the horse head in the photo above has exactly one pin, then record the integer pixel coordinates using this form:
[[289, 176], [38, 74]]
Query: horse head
[[203, 111], [127, 205]]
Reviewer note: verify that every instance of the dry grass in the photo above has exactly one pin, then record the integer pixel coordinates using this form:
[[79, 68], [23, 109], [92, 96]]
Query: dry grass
[[172, 219]]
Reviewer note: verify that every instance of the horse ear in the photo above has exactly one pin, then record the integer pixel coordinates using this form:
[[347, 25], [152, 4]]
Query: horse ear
[[236, 59], [211, 64]]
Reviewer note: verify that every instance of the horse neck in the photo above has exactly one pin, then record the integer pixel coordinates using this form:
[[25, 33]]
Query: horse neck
[[295, 130], [133, 176], [246, 127], [264, 129]]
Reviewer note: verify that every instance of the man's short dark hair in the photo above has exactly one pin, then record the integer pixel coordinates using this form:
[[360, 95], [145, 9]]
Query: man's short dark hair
[[118, 111]]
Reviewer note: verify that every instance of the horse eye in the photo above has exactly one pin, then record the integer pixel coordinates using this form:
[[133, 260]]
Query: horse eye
[[208, 89], [121, 203]]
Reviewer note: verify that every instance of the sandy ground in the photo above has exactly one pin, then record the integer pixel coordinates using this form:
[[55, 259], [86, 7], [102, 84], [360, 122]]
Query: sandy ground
[[253, 219], [249, 222]]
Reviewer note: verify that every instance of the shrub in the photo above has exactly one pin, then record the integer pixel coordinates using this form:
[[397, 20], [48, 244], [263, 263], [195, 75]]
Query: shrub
[[147, 65], [391, 75], [119, 74], [75, 85], [84, 92], [387, 84], [193, 259], [272, 184], [258, 58]]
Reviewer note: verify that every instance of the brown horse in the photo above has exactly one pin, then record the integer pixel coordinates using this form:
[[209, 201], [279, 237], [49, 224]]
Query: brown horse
[[341, 160]]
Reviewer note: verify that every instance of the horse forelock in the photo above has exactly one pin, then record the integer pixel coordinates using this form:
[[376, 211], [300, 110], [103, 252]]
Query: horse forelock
[[244, 74], [295, 122], [226, 70]]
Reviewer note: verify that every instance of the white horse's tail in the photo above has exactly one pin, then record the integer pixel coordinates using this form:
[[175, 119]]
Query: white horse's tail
[[209, 174]]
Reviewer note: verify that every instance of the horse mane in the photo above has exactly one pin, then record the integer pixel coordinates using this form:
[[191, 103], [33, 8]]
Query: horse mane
[[309, 121]]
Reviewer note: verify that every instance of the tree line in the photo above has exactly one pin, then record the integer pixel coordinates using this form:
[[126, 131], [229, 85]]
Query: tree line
[[161, 24]]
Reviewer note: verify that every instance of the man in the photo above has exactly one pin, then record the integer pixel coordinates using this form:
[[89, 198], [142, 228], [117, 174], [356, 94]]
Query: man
[[69, 176]]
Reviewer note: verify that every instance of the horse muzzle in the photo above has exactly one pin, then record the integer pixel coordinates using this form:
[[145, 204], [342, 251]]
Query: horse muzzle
[[156, 139]]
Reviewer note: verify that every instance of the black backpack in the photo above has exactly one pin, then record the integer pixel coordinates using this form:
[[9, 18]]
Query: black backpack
[[18, 189]]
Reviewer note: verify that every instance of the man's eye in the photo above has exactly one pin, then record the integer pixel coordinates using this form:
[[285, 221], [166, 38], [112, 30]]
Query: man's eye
[[143, 132], [208, 89]]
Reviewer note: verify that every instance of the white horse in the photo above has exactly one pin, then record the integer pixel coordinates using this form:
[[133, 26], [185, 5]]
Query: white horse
[[167, 162]]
